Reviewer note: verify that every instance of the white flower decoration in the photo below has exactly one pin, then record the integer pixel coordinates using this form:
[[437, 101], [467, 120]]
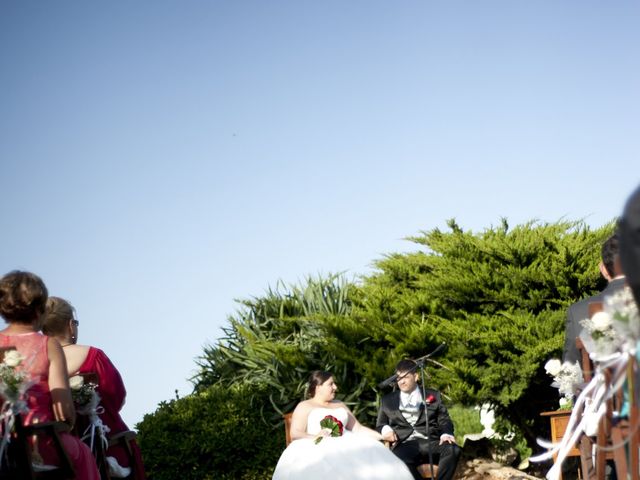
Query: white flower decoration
[[76, 382], [601, 321], [553, 367], [13, 358]]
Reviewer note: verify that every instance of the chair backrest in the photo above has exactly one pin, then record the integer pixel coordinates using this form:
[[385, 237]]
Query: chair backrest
[[287, 427], [586, 365], [63, 471], [585, 361]]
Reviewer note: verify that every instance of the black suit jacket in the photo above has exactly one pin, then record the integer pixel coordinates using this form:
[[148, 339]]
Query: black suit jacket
[[439, 421], [629, 228], [578, 312]]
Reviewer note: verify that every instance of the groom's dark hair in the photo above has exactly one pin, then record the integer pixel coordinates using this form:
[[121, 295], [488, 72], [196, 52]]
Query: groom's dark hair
[[609, 253], [406, 365]]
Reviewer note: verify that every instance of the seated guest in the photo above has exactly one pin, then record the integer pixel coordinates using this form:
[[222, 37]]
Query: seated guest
[[22, 300], [402, 420], [60, 323], [314, 454], [611, 271]]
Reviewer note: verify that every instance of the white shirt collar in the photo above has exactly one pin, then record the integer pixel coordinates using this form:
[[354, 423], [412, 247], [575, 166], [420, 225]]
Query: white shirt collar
[[411, 398]]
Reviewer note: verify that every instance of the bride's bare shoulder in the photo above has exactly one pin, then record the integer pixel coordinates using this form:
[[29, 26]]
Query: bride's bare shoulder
[[304, 406]]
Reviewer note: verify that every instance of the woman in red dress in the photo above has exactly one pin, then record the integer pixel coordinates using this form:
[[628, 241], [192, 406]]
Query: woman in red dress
[[60, 323], [22, 300]]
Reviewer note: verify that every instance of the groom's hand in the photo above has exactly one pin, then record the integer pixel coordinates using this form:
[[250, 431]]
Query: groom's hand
[[390, 436], [446, 438]]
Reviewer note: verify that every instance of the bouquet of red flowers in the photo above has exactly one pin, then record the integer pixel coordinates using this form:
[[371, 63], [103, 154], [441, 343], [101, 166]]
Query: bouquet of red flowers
[[333, 424]]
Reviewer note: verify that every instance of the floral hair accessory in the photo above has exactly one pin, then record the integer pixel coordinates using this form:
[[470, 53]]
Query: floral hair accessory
[[333, 424]]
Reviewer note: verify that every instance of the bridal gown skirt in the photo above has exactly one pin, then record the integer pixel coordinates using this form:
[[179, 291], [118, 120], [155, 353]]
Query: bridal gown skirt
[[350, 457]]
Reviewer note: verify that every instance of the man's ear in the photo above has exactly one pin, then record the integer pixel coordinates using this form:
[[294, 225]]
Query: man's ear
[[603, 272]]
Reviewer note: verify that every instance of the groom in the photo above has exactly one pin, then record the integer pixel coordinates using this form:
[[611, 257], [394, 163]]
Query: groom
[[402, 421]]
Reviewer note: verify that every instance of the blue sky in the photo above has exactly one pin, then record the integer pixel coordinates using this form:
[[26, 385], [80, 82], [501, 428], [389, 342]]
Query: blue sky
[[160, 158]]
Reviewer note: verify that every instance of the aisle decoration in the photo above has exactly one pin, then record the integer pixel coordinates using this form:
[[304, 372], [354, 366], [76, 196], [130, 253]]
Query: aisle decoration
[[87, 402], [13, 385], [611, 337]]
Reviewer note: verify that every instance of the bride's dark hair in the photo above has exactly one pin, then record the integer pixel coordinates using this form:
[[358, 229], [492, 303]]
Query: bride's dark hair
[[317, 377]]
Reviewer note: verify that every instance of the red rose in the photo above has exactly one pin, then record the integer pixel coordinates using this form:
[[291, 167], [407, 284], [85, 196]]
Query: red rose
[[430, 399], [333, 424]]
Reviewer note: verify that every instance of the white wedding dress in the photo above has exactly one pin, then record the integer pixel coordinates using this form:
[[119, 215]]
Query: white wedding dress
[[349, 457]]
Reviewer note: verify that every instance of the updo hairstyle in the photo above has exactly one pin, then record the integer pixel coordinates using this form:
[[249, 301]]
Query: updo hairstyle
[[317, 377], [23, 296], [57, 314]]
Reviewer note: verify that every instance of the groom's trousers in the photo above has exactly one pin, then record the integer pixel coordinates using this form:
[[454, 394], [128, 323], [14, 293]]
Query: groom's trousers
[[416, 452]]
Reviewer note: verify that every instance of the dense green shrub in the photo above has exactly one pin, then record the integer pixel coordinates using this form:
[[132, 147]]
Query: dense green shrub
[[217, 434]]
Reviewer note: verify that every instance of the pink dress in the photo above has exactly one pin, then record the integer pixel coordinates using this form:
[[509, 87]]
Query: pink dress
[[33, 346], [112, 395]]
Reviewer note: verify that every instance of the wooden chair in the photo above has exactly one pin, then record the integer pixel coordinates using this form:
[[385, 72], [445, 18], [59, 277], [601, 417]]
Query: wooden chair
[[18, 463], [424, 469], [287, 427], [20, 450], [608, 444], [122, 439], [625, 437]]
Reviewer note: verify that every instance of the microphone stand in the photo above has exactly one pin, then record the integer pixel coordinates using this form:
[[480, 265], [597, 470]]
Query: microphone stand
[[420, 363]]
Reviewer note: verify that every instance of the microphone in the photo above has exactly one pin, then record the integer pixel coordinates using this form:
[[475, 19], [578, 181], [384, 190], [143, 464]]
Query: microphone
[[388, 381], [419, 361], [437, 350]]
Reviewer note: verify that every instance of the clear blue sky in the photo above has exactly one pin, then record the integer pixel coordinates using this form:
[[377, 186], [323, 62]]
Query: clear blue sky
[[161, 158]]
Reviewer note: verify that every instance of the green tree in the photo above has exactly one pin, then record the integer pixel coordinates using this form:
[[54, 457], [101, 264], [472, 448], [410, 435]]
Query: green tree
[[498, 298], [276, 340]]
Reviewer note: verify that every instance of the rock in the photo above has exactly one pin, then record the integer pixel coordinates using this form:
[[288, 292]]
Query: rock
[[477, 445]]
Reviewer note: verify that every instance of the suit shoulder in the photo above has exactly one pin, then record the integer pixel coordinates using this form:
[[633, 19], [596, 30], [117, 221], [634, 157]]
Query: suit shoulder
[[390, 395], [583, 305]]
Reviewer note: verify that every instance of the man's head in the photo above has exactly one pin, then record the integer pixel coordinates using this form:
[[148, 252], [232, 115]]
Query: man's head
[[610, 265], [408, 376]]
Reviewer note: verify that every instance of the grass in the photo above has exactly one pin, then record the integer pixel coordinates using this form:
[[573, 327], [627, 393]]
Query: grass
[[465, 420]]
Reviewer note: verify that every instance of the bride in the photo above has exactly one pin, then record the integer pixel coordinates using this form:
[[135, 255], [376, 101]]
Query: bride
[[315, 455]]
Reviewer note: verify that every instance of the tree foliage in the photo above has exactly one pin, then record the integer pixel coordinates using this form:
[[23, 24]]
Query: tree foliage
[[497, 298], [276, 340]]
